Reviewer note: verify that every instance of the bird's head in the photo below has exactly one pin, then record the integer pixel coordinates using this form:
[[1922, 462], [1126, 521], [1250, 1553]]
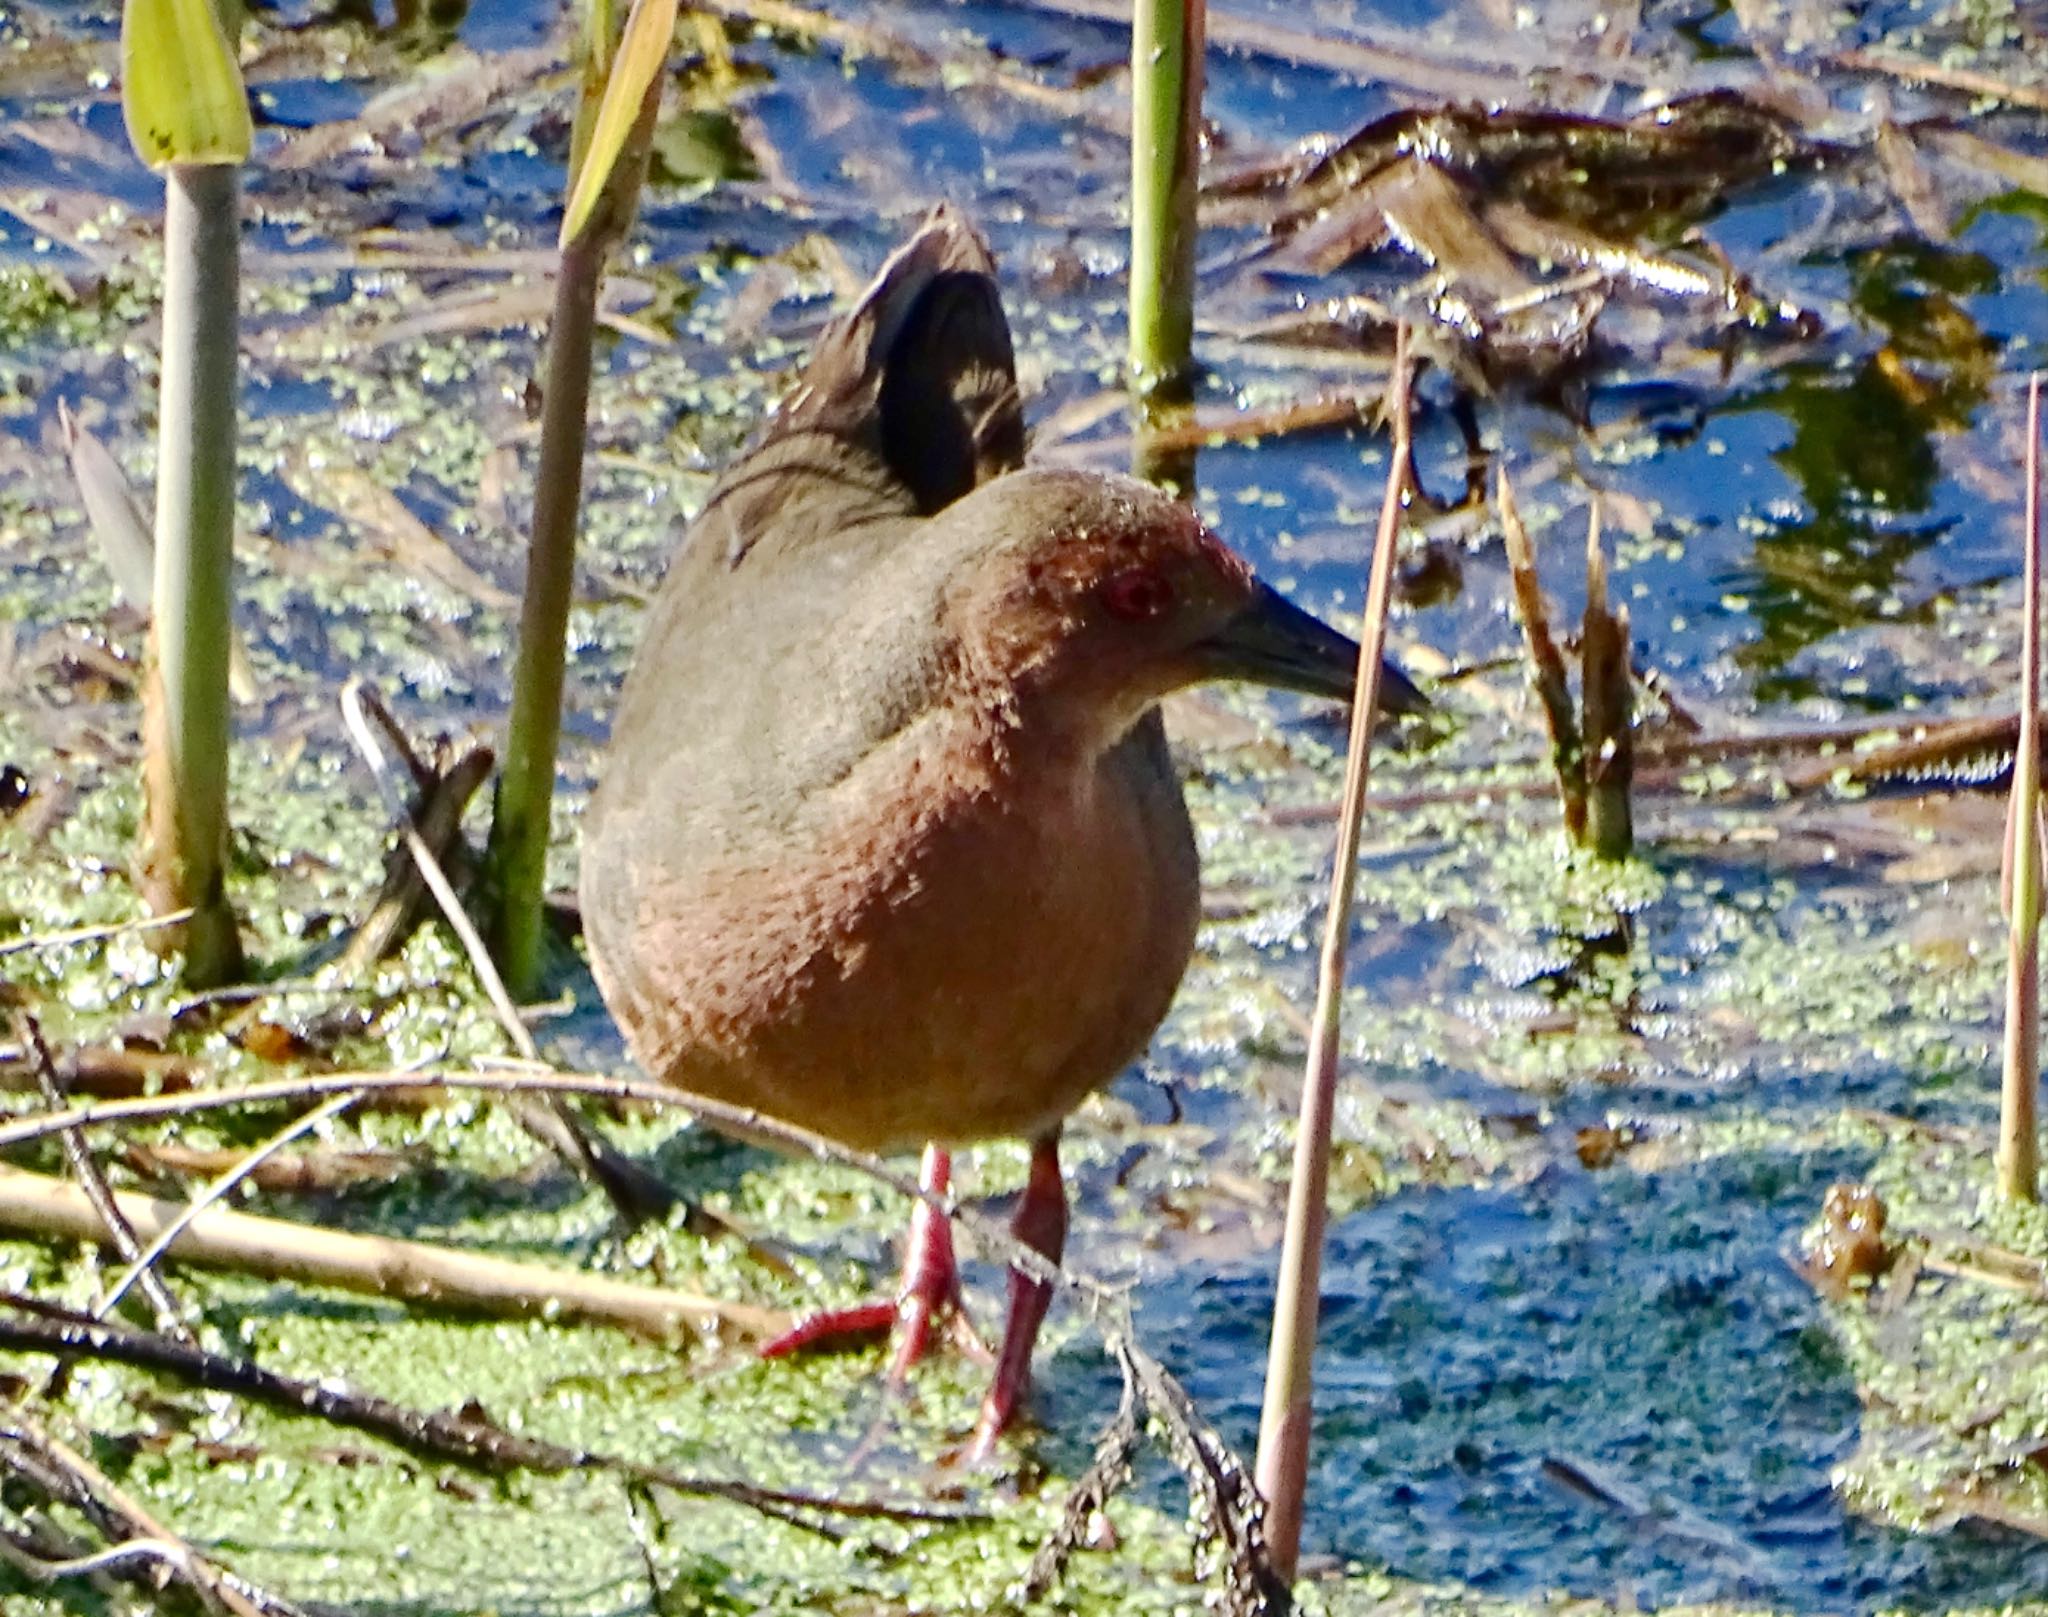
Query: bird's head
[[1097, 595]]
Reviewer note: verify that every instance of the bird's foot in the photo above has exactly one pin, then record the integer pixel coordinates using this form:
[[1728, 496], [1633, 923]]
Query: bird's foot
[[928, 1300]]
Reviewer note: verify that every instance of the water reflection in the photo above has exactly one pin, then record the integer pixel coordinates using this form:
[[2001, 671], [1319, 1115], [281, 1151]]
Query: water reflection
[[429, 23], [1865, 458]]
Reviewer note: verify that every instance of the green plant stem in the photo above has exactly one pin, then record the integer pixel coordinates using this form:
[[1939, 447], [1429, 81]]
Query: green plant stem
[[1166, 114], [2019, 1150], [1163, 447], [1285, 1421], [195, 525], [520, 818]]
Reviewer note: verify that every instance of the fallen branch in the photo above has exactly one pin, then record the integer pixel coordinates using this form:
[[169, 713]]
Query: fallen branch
[[1213, 1472], [380, 1266], [1918, 70], [459, 1438], [1107, 1472]]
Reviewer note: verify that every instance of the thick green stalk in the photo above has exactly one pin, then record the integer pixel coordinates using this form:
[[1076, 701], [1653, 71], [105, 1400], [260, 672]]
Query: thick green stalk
[[195, 525], [2019, 1147], [1162, 446], [1166, 116], [520, 817]]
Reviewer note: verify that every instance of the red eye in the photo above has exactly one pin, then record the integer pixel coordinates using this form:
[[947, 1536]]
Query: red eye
[[1137, 595]]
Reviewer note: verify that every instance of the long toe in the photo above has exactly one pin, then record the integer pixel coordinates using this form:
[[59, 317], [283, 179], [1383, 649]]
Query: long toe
[[833, 1330]]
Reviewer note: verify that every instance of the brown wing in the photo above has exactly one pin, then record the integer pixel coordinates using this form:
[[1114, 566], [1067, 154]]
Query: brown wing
[[908, 401]]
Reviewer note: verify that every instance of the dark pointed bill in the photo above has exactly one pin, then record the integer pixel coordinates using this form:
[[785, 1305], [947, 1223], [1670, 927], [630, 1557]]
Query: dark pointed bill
[[1273, 642]]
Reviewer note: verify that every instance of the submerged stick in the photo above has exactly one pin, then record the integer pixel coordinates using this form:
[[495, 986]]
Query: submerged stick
[[2019, 1148], [1285, 1421], [381, 1266]]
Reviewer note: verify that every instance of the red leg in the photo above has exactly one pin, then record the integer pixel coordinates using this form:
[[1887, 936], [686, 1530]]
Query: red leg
[[1041, 1224], [931, 1279], [931, 1285]]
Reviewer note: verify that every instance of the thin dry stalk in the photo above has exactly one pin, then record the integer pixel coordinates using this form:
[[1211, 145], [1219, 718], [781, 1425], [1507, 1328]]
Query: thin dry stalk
[[92, 934], [1284, 1425], [636, 1195], [1606, 708], [139, 1266], [114, 1227], [219, 1589], [1546, 663], [380, 1266], [1234, 426], [2019, 1146]]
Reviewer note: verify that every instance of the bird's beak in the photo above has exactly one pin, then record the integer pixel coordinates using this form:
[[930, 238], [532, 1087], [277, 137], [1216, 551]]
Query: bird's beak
[[1271, 641]]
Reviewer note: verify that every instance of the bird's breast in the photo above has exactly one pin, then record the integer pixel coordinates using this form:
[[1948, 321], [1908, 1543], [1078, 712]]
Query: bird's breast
[[962, 943]]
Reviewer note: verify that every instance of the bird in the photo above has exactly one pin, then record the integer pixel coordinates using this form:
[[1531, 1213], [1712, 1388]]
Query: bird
[[887, 841]]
